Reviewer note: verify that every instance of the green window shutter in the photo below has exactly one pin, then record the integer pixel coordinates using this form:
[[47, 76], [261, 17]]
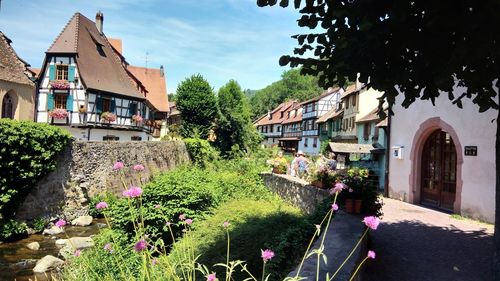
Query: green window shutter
[[50, 101], [69, 103], [98, 105], [112, 106], [131, 107], [71, 73], [52, 72]]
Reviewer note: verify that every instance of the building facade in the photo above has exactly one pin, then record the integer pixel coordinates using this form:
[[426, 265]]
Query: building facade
[[444, 157], [270, 124], [17, 90], [292, 129], [85, 87]]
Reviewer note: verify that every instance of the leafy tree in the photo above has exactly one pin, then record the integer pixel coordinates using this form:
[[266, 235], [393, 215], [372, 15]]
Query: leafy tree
[[235, 131], [198, 106], [421, 48], [293, 85], [172, 97]]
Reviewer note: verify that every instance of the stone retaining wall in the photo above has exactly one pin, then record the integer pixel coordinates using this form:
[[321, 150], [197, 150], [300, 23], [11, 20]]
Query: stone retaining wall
[[84, 170], [295, 191]]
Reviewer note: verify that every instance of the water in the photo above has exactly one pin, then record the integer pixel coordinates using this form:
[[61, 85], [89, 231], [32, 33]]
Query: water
[[17, 261]]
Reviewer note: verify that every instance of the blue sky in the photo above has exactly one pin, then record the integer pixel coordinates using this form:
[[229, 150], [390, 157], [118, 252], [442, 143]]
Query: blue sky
[[220, 39]]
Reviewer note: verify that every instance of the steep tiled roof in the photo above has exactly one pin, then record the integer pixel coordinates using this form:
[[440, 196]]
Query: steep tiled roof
[[12, 68], [350, 90], [373, 115], [332, 113], [276, 114], [297, 117], [117, 44], [154, 81], [100, 68], [329, 91]]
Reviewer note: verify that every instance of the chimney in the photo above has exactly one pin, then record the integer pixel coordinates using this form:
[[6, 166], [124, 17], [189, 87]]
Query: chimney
[[162, 71], [99, 21]]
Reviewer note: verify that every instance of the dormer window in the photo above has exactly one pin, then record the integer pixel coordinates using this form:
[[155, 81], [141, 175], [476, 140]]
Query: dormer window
[[62, 72]]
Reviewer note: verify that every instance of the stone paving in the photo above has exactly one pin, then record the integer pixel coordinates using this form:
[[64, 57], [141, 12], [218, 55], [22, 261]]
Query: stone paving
[[414, 243]]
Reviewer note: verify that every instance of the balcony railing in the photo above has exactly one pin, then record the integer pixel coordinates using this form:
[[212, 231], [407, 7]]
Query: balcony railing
[[292, 134], [310, 114], [310, 132], [273, 134]]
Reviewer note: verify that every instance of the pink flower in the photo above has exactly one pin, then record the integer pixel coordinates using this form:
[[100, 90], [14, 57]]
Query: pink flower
[[61, 223], [138, 168], [189, 221], [211, 277], [108, 248], [118, 165], [157, 206], [101, 205], [371, 222], [77, 253], [267, 255], [371, 254], [225, 224], [335, 207], [337, 188], [133, 192], [168, 223], [351, 190], [154, 261], [318, 227], [182, 217], [140, 245]]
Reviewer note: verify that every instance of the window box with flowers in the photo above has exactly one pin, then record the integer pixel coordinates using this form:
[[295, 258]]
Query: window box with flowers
[[137, 119], [108, 117], [59, 113], [59, 85]]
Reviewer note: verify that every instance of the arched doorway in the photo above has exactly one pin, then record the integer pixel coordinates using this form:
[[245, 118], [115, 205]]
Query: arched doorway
[[438, 177], [8, 106]]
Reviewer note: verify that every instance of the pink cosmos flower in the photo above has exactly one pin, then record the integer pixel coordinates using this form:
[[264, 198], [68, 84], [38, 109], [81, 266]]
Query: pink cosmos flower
[[138, 168], [108, 248], [267, 255], [189, 221], [157, 206], [182, 217], [211, 277], [371, 254], [101, 205], [371, 222], [133, 192], [77, 253], [337, 188], [226, 224], [140, 245], [335, 207], [60, 223], [118, 165]]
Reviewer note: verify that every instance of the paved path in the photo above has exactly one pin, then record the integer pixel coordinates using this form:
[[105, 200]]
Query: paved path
[[418, 244]]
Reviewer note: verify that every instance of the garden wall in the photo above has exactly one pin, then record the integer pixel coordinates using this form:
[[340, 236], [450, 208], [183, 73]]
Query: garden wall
[[295, 191], [84, 170]]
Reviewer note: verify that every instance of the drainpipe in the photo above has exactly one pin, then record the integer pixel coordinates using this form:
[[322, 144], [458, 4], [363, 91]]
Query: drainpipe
[[387, 155]]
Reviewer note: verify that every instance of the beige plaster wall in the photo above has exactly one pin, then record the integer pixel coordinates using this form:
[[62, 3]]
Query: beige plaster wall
[[23, 96]]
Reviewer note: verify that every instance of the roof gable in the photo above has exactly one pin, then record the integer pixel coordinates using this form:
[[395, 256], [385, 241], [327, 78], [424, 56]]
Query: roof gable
[[154, 81], [12, 68], [66, 41]]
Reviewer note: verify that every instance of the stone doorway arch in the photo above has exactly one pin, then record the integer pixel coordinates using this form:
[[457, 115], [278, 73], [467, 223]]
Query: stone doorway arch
[[426, 129], [9, 105]]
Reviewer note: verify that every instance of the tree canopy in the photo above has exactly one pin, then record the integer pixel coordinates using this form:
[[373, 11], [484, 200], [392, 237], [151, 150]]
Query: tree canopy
[[421, 48], [198, 106]]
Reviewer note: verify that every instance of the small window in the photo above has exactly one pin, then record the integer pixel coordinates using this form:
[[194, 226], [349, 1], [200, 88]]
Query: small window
[[346, 101], [282, 114], [62, 72], [366, 131], [305, 142], [60, 100], [354, 100], [106, 105], [136, 138], [278, 129], [110, 138], [315, 142], [352, 123]]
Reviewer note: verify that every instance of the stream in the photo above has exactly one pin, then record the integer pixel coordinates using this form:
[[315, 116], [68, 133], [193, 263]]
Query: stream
[[17, 261]]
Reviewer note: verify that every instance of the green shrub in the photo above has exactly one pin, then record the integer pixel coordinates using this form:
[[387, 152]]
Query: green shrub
[[27, 152], [201, 151], [12, 229], [39, 224]]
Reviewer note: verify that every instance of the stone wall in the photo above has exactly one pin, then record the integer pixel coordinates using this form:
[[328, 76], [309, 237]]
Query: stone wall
[[84, 170], [295, 191]]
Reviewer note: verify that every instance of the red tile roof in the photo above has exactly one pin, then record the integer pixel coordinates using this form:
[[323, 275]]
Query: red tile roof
[[373, 115], [332, 113], [276, 114], [12, 68], [296, 117], [154, 81], [117, 44], [99, 71]]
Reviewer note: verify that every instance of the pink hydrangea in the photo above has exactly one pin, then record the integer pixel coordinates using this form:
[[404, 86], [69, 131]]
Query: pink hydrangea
[[267, 255], [140, 245], [61, 223], [133, 192], [211, 277], [335, 207], [138, 168], [189, 221], [371, 222], [118, 165], [101, 205], [226, 224], [371, 254]]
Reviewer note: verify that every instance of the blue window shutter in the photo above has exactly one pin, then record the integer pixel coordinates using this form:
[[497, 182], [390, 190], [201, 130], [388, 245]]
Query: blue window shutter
[[52, 72], [50, 101], [71, 73], [99, 105], [69, 103], [112, 106]]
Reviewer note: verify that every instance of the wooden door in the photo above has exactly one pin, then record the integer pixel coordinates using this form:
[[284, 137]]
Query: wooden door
[[439, 166]]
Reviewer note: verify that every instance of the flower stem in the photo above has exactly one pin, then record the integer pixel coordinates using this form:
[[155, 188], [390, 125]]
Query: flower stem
[[356, 271], [350, 254], [227, 258], [263, 270]]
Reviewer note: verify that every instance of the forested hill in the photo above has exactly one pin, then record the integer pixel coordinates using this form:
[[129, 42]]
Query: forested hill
[[292, 85]]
